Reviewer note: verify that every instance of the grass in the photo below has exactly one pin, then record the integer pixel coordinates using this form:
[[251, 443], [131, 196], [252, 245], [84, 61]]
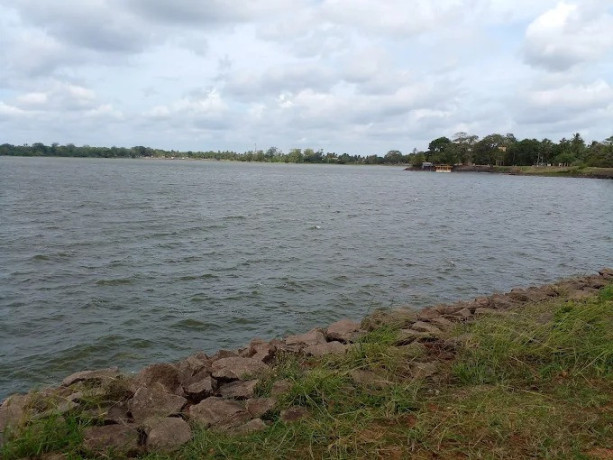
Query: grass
[[537, 383], [569, 171]]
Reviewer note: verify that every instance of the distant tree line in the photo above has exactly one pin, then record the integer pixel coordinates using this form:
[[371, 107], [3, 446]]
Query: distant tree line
[[462, 148], [506, 150]]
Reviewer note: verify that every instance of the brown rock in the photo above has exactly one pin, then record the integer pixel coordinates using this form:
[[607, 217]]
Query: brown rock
[[260, 406], [121, 440], [488, 311], [281, 387], [96, 376], [225, 354], [406, 336], [606, 273], [252, 426], [423, 370], [368, 378], [328, 348], [238, 389], [294, 414], [442, 322], [345, 331], [12, 413], [165, 374], [237, 368], [191, 366], [219, 412], [262, 350], [400, 317], [462, 314], [298, 342], [117, 414], [421, 326], [201, 389], [166, 434], [154, 402]]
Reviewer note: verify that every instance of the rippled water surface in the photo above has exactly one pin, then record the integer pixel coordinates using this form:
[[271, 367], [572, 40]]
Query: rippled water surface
[[128, 262]]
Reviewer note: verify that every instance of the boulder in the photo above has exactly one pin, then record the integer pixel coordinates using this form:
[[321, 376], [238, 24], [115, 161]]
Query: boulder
[[423, 370], [238, 389], [237, 368], [191, 366], [219, 412], [297, 342], [225, 354], [463, 314], [281, 387], [368, 378], [120, 440], [262, 350], [164, 374], [257, 424], [12, 413], [294, 413], [421, 326], [154, 402], [166, 434], [200, 389], [258, 407], [99, 376], [606, 273], [345, 331], [406, 336], [328, 348]]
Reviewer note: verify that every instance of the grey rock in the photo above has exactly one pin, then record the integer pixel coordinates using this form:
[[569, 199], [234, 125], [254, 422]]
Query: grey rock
[[237, 368], [166, 434], [95, 376], [463, 314], [155, 402]]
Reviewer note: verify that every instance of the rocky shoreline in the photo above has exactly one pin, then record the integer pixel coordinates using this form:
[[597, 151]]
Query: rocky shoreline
[[157, 409]]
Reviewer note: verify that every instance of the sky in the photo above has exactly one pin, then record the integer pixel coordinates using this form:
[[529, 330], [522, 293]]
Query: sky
[[356, 76]]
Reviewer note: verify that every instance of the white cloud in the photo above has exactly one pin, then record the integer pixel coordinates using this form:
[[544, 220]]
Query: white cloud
[[359, 76], [569, 34]]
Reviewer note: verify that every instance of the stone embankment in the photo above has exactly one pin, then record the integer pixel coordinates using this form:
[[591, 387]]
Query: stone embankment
[[156, 409]]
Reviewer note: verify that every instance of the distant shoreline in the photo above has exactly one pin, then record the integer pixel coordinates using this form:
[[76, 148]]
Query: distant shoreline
[[544, 171]]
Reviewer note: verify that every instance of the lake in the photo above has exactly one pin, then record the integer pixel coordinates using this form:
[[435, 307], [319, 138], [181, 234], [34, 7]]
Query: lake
[[129, 262]]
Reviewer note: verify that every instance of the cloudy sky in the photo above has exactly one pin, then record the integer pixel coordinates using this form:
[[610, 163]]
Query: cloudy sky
[[356, 76]]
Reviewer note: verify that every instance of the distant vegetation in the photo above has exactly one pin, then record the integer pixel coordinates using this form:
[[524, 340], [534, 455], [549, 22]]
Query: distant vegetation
[[493, 149]]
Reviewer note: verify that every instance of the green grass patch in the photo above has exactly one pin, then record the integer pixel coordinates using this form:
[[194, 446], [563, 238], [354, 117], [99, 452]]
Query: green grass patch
[[535, 383]]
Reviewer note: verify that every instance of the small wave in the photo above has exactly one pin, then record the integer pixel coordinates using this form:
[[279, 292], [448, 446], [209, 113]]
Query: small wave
[[205, 276], [193, 325], [115, 282], [41, 257], [237, 217]]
